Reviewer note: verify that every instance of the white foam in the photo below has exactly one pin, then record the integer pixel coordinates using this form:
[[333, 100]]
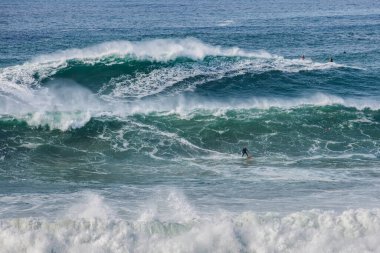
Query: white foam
[[169, 205], [16, 81], [307, 231], [63, 106], [143, 85], [227, 22], [169, 142], [89, 206]]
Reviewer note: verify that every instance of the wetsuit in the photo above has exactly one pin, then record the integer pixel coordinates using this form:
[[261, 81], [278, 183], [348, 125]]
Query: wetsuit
[[244, 152]]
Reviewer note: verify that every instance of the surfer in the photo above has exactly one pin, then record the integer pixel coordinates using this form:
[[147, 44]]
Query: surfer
[[244, 151], [303, 57], [331, 59]]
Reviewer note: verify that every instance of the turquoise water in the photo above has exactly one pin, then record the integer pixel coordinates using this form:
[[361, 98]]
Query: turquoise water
[[121, 126]]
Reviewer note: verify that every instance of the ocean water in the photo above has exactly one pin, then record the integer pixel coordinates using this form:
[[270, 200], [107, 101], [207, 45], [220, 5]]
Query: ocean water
[[122, 122]]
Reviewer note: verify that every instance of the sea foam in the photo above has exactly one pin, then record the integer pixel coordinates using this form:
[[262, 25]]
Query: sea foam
[[306, 231], [169, 223]]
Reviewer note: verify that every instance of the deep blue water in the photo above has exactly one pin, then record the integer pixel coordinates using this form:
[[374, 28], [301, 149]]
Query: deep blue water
[[121, 125]]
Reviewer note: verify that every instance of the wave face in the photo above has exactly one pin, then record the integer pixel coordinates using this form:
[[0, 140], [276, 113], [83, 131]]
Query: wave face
[[122, 123]]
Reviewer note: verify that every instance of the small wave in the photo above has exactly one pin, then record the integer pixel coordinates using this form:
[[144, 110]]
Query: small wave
[[227, 22]]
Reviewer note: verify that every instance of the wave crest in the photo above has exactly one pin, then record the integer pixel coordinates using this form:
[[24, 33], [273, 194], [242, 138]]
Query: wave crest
[[156, 49]]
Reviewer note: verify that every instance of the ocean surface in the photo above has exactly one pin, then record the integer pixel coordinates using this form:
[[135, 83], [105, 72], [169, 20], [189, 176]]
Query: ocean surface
[[122, 122]]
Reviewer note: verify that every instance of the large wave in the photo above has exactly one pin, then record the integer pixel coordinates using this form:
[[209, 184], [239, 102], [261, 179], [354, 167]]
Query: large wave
[[16, 79]]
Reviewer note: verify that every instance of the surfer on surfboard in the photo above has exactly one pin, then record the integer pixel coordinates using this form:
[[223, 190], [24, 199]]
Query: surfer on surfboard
[[244, 151]]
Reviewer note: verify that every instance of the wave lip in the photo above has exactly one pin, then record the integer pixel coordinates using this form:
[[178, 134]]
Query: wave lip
[[188, 105], [156, 49]]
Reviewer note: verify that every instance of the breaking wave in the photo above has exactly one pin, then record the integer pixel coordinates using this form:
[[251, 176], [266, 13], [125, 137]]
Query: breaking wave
[[98, 230], [157, 62]]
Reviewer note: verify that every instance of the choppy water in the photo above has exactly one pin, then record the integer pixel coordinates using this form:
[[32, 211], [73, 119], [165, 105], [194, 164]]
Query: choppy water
[[121, 125]]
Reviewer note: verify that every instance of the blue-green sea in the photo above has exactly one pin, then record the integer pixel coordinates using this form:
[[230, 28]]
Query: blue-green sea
[[122, 125]]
